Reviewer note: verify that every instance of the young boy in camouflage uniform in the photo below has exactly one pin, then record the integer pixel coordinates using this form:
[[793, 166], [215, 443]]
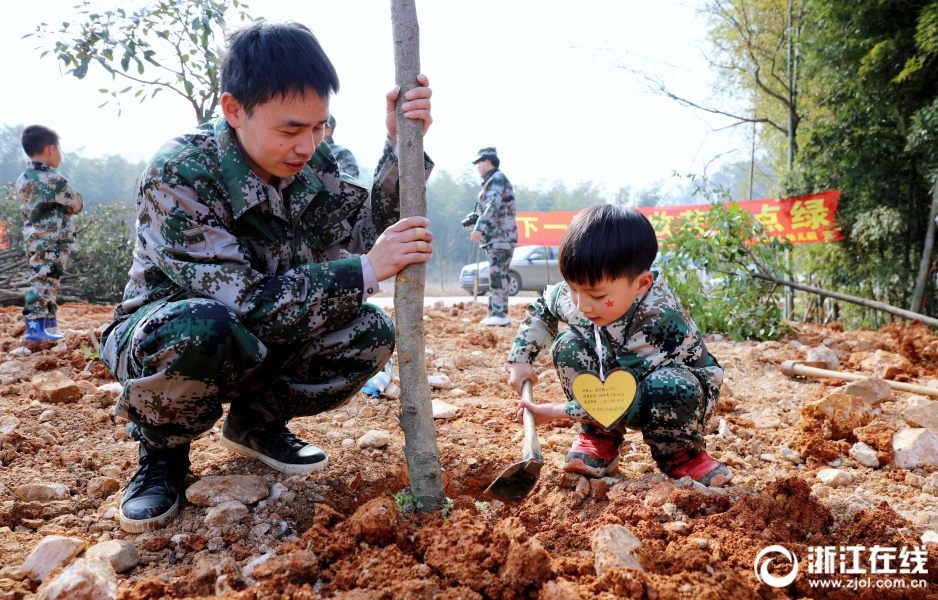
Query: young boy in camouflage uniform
[[622, 315], [497, 230], [343, 155], [237, 292], [48, 204]]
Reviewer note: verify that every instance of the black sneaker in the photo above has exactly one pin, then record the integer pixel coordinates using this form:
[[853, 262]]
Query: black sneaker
[[271, 443], [151, 499]]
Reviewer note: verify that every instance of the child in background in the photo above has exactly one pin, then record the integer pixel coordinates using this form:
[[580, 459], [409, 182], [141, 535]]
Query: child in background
[[622, 315], [48, 204]]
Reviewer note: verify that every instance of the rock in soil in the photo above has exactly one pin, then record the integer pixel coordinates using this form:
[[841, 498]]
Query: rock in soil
[[41, 492], [122, 555], [215, 490], [915, 447], [872, 390], [375, 438], [864, 455], [84, 579], [615, 546], [52, 552], [53, 386]]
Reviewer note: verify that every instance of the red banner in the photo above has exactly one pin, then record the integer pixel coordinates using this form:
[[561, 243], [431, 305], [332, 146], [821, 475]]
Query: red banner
[[803, 220]]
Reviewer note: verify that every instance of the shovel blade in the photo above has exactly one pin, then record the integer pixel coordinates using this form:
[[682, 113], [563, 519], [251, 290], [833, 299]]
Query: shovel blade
[[515, 482]]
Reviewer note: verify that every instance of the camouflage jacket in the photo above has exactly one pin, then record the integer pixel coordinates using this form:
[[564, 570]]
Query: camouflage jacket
[[661, 332], [209, 227], [497, 221], [48, 204], [345, 158]]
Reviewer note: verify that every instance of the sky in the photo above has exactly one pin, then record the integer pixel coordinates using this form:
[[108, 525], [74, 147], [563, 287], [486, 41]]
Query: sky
[[538, 79]]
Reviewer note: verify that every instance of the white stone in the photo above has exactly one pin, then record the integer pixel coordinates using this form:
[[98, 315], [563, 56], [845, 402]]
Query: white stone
[[790, 455], [915, 400], [21, 351], [51, 552], [822, 354], [248, 569], [226, 513], [122, 555], [769, 458], [375, 438], [60, 348], [440, 381], [392, 391], [834, 477], [724, 430], [915, 447], [217, 489], [929, 537], [84, 579], [442, 410], [113, 387], [872, 390], [8, 423], [615, 546], [766, 422], [41, 492], [12, 367], [864, 455], [46, 415], [277, 490]]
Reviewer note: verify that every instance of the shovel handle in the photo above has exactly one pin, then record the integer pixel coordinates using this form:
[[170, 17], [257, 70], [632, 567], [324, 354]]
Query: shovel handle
[[532, 447]]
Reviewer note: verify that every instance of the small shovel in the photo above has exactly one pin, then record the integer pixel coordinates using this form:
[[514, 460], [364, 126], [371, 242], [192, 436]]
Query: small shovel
[[516, 481]]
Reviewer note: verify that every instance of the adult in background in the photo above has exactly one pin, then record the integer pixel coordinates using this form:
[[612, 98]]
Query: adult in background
[[237, 293], [497, 230], [342, 155]]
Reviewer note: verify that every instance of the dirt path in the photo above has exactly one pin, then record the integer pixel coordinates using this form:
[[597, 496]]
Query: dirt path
[[339, 534]]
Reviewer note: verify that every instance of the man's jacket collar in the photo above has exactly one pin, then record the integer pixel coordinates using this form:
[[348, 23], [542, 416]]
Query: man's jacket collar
[[247, 190]]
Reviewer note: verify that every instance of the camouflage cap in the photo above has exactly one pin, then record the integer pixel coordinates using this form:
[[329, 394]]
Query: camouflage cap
[[331, 122], [486, 154]]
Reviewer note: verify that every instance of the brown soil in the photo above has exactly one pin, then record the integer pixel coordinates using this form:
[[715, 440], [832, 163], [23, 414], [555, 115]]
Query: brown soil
[[339, 533]]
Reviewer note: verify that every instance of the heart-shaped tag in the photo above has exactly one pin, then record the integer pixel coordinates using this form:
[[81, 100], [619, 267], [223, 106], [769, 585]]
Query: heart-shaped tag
[[606, 402]]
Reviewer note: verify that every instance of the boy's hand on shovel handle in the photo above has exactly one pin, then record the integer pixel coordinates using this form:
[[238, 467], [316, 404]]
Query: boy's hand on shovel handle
[[519, 372], [543, 413]]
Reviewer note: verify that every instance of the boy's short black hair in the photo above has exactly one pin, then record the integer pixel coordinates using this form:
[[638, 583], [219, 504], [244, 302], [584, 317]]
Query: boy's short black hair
[[606, 242], [36, 138], [265, 60], [495, 161]]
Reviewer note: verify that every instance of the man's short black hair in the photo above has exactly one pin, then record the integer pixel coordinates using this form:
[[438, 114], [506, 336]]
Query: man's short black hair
[[495, 161], [265, 60], [36, 138], [606, 242]]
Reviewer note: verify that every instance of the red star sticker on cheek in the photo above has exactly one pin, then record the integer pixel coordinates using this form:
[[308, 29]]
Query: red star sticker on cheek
[[609, 303]]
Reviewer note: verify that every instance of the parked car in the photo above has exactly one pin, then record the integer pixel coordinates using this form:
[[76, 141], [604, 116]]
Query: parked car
[[532, 268]]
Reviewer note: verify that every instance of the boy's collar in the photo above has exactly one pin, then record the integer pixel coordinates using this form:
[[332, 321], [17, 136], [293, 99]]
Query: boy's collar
[[39, 165]]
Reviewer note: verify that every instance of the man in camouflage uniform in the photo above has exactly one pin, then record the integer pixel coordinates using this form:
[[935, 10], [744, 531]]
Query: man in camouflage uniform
[[343, 155], [237, 292], [48, 204], [655, 339], [497, 231]]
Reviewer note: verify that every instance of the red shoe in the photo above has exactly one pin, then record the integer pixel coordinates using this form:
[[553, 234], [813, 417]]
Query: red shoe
[[698, 466], [595, 453]]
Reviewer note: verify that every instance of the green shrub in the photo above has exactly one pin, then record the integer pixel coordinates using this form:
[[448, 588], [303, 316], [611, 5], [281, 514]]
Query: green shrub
[[709, 260], [97, 271]]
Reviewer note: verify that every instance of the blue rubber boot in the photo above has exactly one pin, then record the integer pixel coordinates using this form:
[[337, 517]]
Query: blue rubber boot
[[36, 331], [52, 328]]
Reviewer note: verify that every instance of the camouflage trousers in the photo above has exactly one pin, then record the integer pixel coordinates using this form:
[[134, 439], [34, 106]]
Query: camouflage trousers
[[47, 268], [671, 407], [181, 360], [499, 261]]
